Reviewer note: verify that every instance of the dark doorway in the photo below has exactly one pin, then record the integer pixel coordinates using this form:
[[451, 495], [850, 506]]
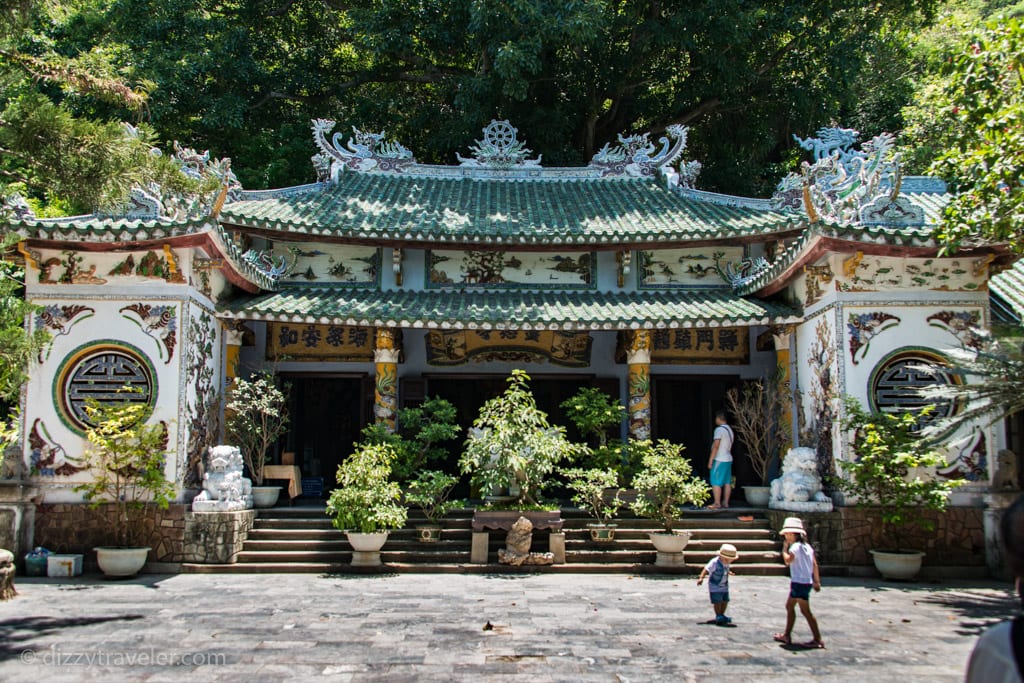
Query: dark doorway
[[327, 413], [684, 410]]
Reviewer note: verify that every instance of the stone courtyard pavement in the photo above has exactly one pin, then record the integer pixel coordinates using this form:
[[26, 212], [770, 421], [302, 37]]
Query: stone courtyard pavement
[[257, 627]]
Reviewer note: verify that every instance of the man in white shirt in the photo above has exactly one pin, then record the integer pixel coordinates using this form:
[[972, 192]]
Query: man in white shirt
[[720, 462], [994, 659]]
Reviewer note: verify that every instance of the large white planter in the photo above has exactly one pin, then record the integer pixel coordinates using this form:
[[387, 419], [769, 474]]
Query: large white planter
[[121, 561], [757, 496], [366, 548], [901, 565], [670, 548], [265, 496]]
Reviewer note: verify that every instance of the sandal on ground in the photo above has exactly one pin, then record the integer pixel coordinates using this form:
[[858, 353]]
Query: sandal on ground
[[782, 638], [713, 507], [813, 645]]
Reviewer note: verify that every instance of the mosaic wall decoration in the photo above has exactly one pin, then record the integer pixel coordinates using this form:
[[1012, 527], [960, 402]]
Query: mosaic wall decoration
[[570, 349], [329, 264], [319, 342], [152, 264], [685, 268], [963, 325], [510, 269], [895, 381], [58, 320], [969, 458], [715, 345], [203, 399], [47, 458], [100, 370], [159, 323], [821, 357], [882, 273], [74, 271], [863, 327]]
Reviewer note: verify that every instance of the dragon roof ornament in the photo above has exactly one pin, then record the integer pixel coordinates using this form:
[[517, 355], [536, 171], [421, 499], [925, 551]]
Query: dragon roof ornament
[[364, 151], [264, 262], [637, 156], [500, 148], [846, 185]]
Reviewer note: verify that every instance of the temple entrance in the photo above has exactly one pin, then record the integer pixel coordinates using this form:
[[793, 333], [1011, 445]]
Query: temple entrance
[[327, 413], [683, 412]]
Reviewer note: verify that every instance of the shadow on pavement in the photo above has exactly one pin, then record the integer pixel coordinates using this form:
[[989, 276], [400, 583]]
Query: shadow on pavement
[[16, 635]]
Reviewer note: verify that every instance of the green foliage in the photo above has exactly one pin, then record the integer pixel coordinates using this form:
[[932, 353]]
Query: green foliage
[[366, 501], [512, 446], [595, 413], [984, 98], [126, 458], [17, 345], [255, 417], [886, 453], [420, 430], [665, 482], [758, 410], [429, 491], [588, 487]]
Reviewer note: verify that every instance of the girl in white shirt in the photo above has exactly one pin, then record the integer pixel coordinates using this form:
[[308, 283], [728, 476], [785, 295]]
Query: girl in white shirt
[[803, 571]]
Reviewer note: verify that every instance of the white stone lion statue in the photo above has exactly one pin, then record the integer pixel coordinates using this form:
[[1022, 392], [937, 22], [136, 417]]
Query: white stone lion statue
[[799, 487], [224, 487]]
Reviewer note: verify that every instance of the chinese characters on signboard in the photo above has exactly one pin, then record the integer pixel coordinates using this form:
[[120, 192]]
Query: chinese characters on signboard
[[710, 345], [319, 342]]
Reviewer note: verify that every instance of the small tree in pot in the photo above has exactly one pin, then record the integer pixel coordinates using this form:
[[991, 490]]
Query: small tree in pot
[[366, 504], [429, 491], [886, 451], [758, 409], [595, 413], [126, 458], [664, 482], [255, 417], [589, 492]]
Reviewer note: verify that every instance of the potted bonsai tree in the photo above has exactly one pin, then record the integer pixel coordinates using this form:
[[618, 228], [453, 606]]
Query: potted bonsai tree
[[429, 491], [589, 489], [255, 417], [594, 414], [126, 458], [892, 469], [664, 482], [367, 505], [512, 447], [420, 429], [758, 409]]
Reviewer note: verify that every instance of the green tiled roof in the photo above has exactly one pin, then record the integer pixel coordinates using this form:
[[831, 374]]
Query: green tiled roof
[[507, 310], [1008, 288], [378, 206]]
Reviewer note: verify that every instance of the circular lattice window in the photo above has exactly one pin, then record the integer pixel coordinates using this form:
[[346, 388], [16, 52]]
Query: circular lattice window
[[896, 383], [101, 372]]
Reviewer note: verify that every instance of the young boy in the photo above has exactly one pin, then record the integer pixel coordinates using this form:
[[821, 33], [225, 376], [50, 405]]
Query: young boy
[[717, 571], [803, 571]]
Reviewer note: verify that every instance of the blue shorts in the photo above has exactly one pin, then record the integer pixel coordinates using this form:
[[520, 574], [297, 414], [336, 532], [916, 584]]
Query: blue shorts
[[721, 473], [800, 591], [719, 597]]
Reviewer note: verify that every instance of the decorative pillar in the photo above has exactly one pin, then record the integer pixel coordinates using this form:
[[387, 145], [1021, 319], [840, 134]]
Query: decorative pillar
[[782, 335], [385, 395], [638, 358]]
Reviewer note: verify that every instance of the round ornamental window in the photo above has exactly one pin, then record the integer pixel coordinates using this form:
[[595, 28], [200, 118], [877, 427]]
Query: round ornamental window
[[896, 380], [100, 372]]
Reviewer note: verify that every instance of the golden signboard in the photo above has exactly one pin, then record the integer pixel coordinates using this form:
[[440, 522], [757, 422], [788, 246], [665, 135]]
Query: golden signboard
[[701, 345], [319, 342], [571, 349]]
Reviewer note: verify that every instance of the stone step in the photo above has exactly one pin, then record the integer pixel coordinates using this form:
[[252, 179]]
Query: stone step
[[691, 569]]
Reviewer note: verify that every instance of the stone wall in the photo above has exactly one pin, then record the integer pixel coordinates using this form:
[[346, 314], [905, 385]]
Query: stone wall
[[77, 528], [17, 517], [216, 537], [844, 536]]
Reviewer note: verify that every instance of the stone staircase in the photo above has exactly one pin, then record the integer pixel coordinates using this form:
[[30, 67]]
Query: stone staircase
[[301, 539]]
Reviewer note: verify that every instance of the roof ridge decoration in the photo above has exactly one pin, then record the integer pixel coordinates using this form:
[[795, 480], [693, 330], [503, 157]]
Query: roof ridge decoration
[[635, 156], [263, 261], [845, 185], [500, 148], [364, 151]]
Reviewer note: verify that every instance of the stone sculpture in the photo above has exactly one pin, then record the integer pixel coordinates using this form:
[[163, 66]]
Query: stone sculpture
[[799, 487], [517, 550], [224, 487], [7, 575], [1004, 475]]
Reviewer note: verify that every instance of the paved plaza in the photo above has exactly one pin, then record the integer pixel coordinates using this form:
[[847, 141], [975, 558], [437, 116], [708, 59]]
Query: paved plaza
[[443, 627]]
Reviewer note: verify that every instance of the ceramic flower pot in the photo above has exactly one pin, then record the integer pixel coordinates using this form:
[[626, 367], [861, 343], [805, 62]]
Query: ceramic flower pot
[[757, 496], [265, 496], [429, 533], [603, 533], [121, 562], [366, 548], [901, 565]]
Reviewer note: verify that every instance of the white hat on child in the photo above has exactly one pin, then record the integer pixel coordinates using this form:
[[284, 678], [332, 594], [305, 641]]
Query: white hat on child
[[792, 525], [728, 551]]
